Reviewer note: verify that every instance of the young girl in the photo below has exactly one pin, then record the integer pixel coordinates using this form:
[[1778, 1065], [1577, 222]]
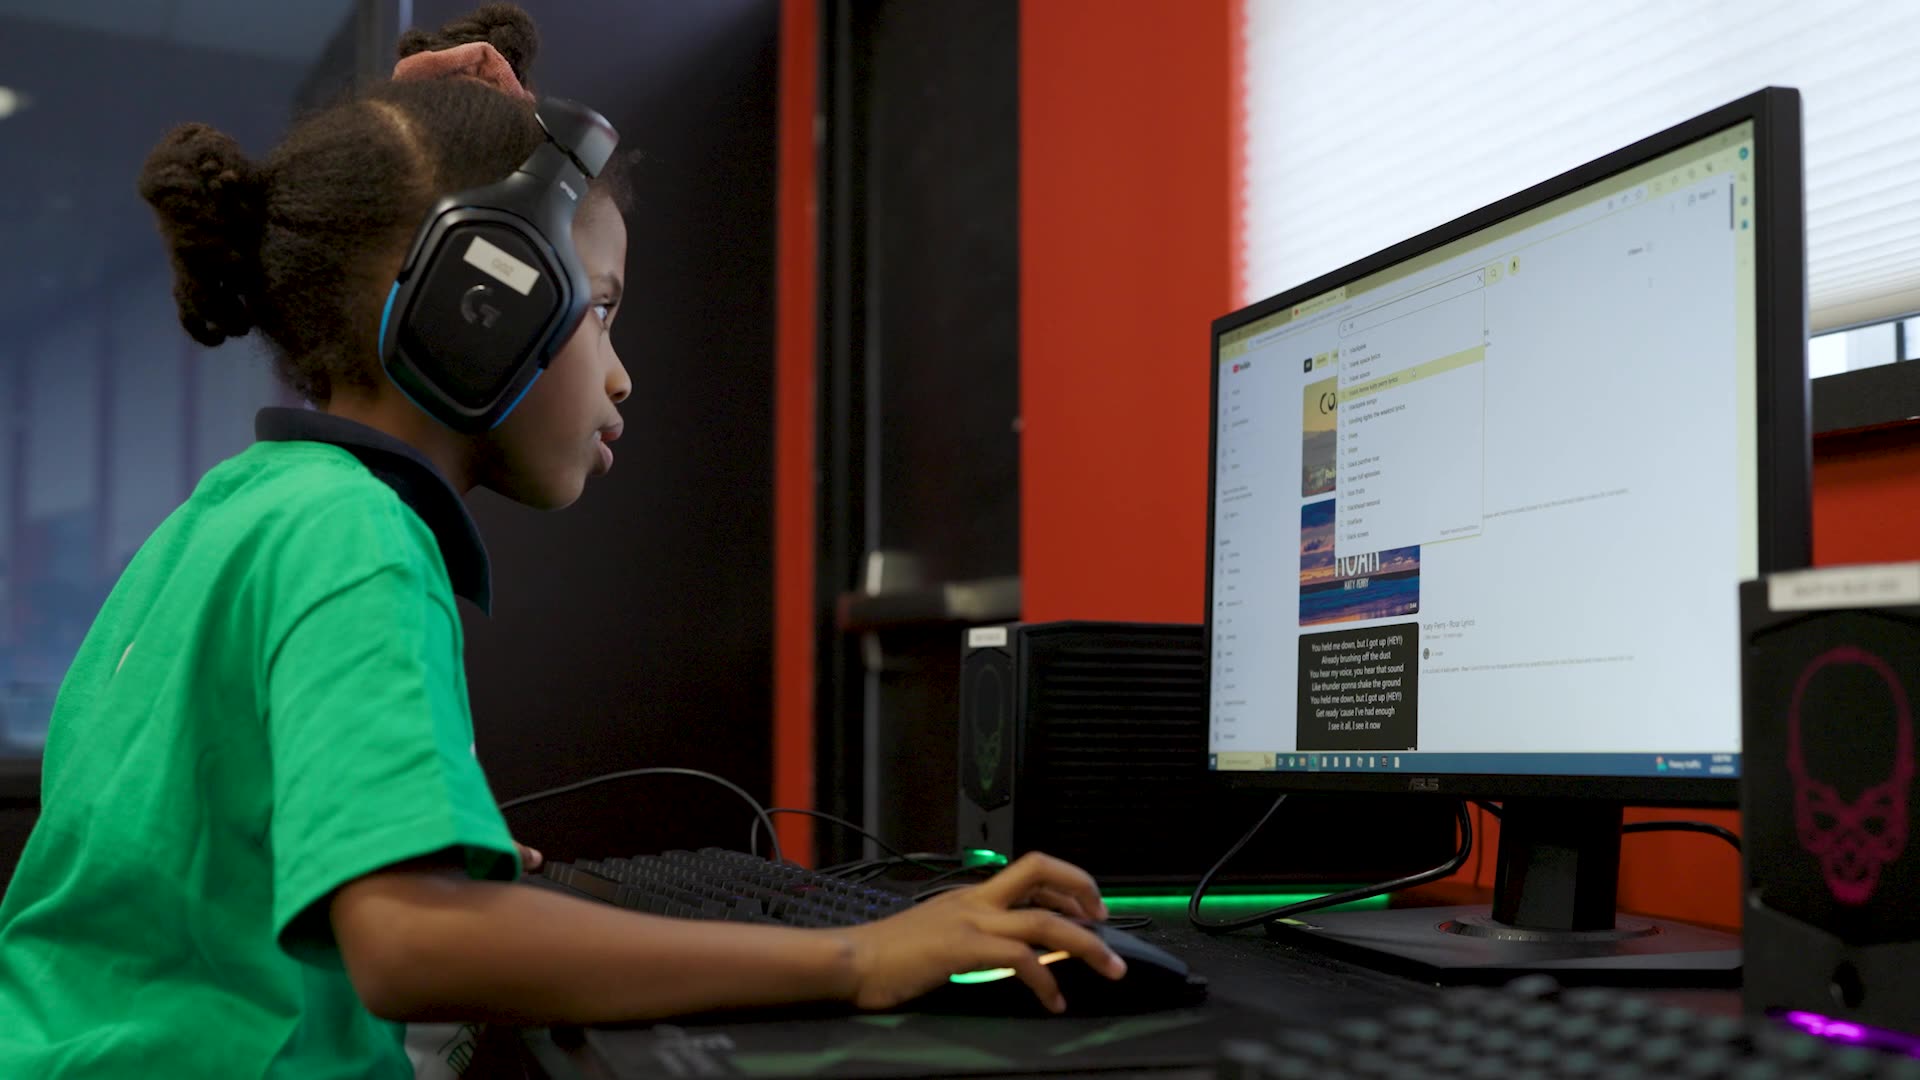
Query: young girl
[[265, 840]]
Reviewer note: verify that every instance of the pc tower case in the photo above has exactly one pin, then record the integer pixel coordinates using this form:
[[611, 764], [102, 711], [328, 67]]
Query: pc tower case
[[1088, 740], [1832, 679]]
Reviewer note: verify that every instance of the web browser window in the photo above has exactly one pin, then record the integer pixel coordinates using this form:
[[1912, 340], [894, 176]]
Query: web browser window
[[1479, 511]]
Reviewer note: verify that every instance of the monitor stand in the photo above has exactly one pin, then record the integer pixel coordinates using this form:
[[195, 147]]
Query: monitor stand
[[1555, 889]]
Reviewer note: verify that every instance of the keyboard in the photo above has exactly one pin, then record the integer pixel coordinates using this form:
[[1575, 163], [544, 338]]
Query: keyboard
[[713, 883], [1533, 1028]]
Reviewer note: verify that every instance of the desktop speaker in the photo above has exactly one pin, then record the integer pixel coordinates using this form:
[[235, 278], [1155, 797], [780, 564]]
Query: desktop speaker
[[1088, 740], [1832, 679]]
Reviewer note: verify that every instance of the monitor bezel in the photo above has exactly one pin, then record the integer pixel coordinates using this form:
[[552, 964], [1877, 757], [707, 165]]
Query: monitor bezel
[[1783, 443]]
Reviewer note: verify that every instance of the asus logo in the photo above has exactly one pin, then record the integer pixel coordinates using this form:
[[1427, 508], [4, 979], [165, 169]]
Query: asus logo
[[1423, 783]]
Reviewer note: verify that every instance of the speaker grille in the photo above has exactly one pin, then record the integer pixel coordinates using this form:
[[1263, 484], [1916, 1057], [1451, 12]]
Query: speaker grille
[[1116, 724], [1828, 757]]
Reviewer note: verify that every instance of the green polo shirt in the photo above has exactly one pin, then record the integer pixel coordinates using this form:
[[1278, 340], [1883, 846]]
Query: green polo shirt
[[270, 704]]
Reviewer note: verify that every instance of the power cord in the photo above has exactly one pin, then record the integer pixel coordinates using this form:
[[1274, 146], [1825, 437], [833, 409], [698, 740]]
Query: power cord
[[879, 869], [763, 818], [863, 870], [1302, 907], [932, 887], [1701, 827], [759, 810], [899, 857], [1480, 857]]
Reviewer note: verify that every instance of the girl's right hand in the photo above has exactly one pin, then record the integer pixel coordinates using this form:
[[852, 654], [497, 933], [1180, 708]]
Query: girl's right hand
[[901, 957]]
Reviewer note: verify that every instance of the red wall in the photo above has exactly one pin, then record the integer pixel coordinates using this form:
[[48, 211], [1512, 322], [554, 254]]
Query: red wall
[[1128, 167], [1866, 497], [1124, 246]]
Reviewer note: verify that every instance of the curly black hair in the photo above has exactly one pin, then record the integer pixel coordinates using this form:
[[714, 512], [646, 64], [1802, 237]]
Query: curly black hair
[[298, 245]]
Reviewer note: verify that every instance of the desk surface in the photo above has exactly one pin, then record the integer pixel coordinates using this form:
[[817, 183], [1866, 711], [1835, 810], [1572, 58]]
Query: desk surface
[[1258, 985]]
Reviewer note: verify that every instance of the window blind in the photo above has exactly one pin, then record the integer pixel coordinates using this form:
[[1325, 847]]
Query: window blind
[[1370, 121]]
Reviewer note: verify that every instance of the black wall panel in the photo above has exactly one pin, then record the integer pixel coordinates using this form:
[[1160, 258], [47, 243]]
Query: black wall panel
[[635, 628], [919, 436]]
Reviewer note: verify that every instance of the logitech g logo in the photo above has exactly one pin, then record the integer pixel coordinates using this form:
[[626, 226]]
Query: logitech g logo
[[475, 306]]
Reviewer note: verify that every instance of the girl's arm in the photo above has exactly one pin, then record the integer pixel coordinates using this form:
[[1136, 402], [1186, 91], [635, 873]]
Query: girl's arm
[[426, 944]]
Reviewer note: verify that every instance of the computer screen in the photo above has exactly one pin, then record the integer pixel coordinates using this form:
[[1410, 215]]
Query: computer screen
[[1480, 504]]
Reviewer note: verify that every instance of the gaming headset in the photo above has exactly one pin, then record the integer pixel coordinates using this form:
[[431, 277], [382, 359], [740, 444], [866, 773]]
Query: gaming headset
[[492, 285]]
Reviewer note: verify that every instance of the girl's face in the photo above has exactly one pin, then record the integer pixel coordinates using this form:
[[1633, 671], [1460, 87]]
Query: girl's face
[[542, 454]]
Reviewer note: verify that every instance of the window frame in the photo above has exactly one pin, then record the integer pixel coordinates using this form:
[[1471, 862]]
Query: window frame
[[1883, 396]]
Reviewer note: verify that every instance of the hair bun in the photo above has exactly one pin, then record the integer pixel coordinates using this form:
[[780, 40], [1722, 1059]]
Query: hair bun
[[211, 206], [504, 26]]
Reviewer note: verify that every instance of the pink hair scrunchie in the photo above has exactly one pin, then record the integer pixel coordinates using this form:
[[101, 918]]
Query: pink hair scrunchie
[[474, 60]]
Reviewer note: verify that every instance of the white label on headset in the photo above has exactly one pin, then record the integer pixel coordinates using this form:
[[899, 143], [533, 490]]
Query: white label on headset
[[515, 274], [1844, 587], [987, 637]]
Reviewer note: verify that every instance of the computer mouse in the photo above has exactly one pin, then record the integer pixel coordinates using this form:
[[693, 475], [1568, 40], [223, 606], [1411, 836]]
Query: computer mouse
[[1155, 979]]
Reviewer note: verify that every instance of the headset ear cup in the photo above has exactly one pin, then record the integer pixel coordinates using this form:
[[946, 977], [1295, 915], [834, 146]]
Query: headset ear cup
[[471, 327], [493, 285]]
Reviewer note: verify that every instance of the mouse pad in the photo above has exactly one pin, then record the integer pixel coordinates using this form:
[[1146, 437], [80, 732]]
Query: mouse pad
[[927, 1044]]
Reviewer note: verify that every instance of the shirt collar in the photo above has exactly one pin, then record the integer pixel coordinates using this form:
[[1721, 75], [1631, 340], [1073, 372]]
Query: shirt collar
[[411, 476]]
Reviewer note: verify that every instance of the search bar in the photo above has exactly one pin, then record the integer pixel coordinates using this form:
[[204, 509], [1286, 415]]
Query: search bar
[[1451, 289]]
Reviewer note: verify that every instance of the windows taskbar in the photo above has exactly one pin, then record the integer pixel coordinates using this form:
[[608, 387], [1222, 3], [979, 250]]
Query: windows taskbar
[[1716, 765]]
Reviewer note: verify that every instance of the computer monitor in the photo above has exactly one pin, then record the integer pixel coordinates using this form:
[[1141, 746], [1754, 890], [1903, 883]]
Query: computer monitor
[[1480, 504]]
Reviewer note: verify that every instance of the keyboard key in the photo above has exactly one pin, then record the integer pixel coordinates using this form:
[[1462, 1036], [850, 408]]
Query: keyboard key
[[721, 885]]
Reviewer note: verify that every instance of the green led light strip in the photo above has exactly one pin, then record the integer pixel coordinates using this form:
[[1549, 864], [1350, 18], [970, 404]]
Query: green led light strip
[[1251, 901], [987, 976], [996, 974]]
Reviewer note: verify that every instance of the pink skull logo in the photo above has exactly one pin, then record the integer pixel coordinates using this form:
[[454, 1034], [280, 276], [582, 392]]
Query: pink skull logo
[[1853, 841]]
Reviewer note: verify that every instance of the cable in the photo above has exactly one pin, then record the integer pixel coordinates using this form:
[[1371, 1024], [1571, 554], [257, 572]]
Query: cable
[[753, 835], [876, 867], [863, 870], [1701, 827], [1480, 857], [879, 867], [759, 810], [928, 888], [1363, 892]]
